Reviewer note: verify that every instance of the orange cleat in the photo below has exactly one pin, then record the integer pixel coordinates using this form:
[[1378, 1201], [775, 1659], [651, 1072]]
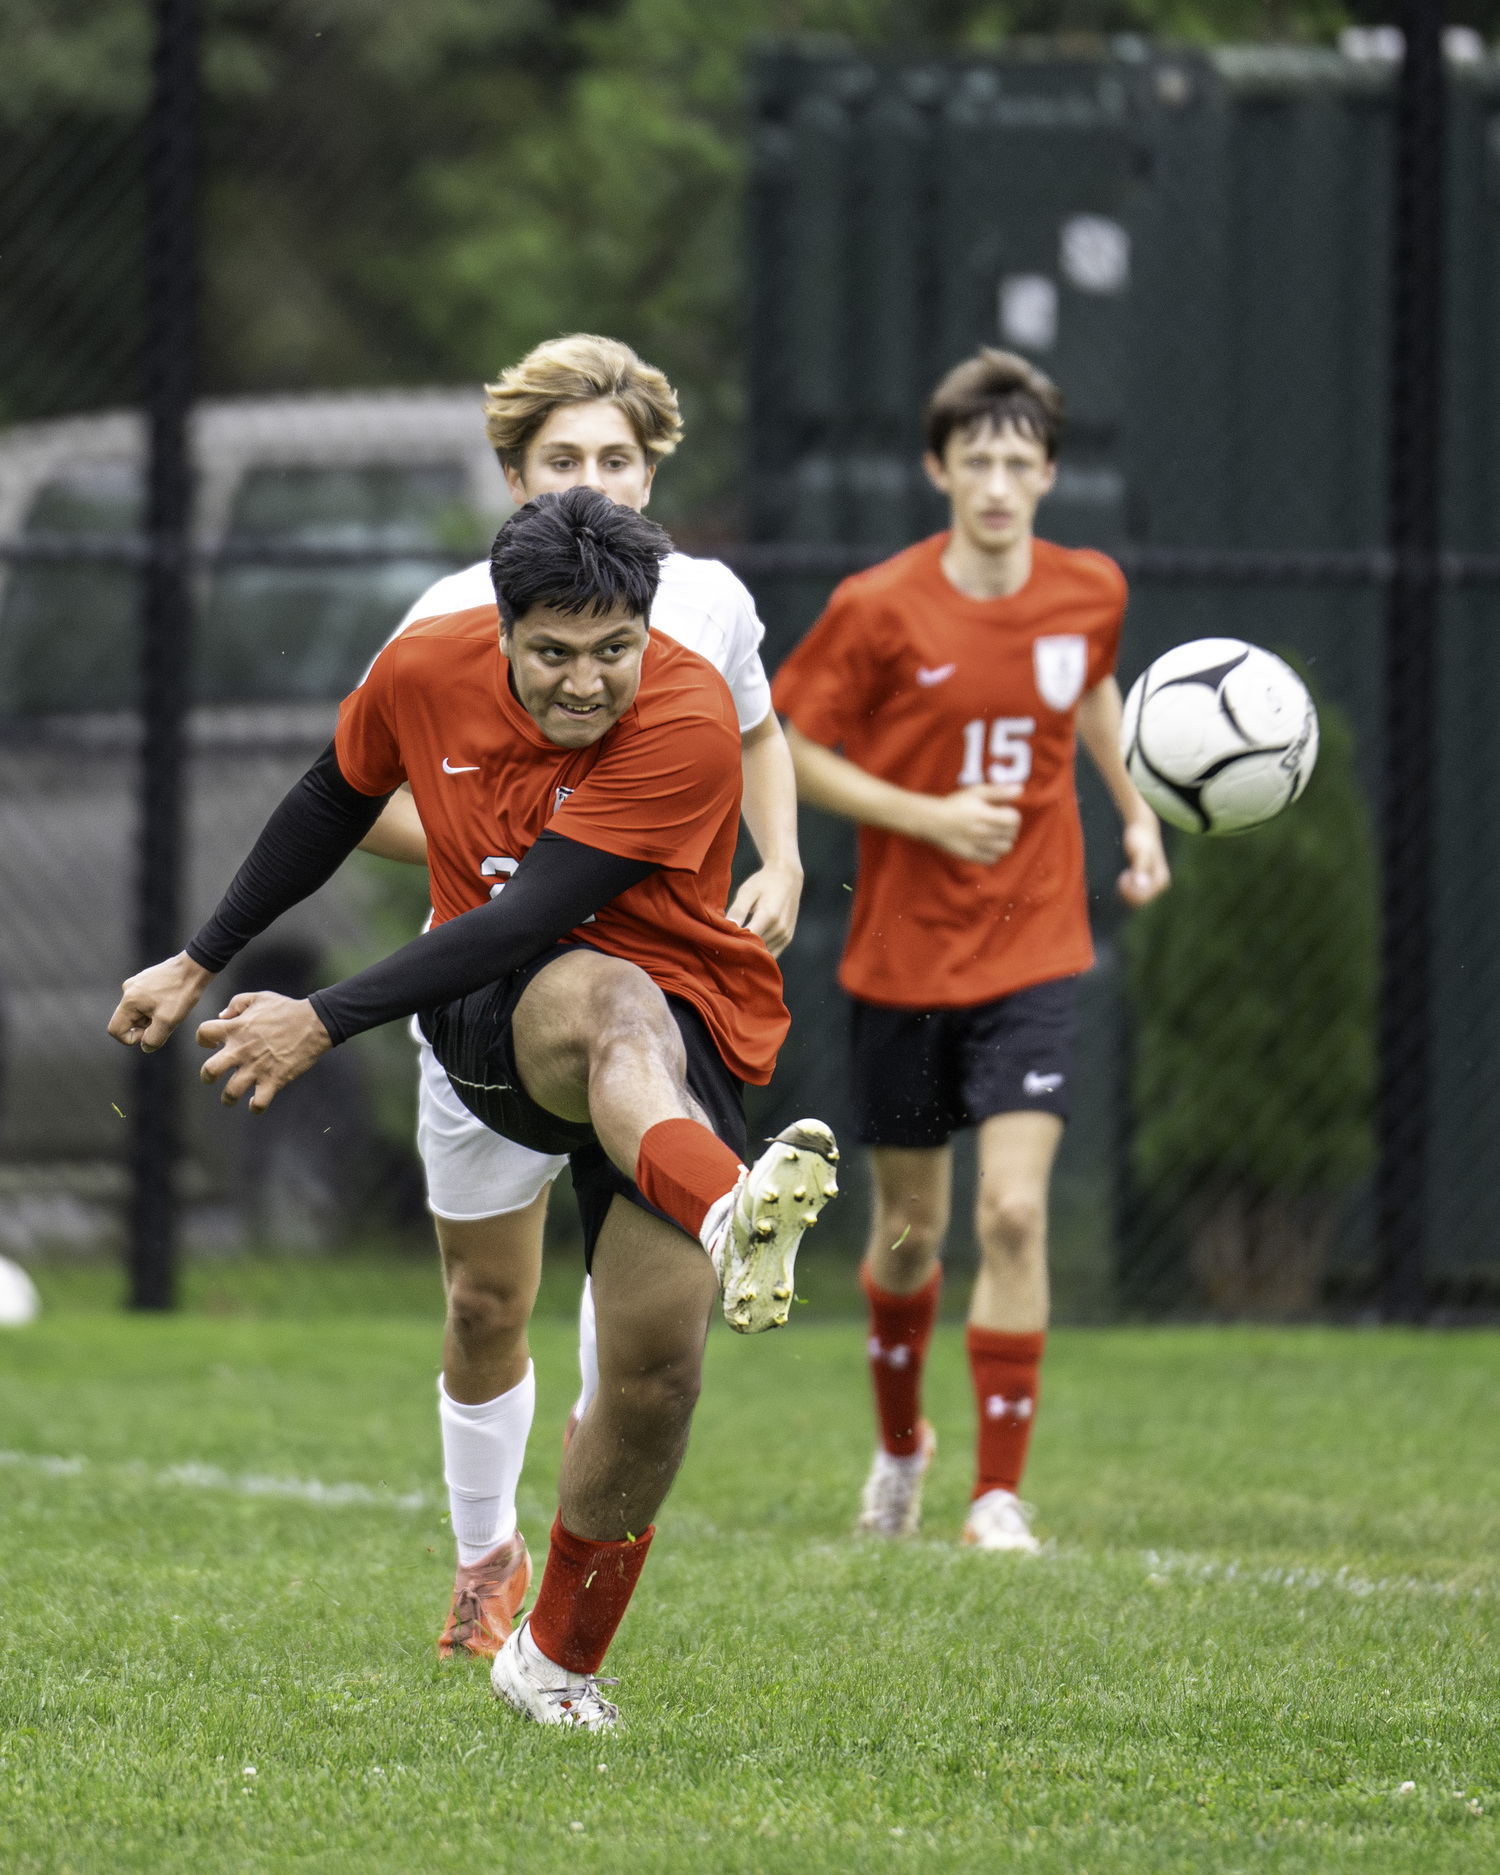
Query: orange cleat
[[486, 1598]]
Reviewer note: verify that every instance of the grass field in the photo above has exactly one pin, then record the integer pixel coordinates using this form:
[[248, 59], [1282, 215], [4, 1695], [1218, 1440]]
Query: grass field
[[1268, 1603]]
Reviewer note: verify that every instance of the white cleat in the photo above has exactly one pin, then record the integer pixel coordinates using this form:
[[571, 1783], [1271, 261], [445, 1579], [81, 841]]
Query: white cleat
[[776, 1201], [539, 1689], [892, 1503], [999, 1520]]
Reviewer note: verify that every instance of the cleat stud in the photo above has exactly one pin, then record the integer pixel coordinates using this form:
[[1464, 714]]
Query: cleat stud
[[810, 1219], [765, 1228], [783, 1294], [788, 1152], [800, 1193]]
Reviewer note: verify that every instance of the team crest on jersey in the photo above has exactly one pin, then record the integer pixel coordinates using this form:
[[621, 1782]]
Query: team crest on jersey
[[1061, 666]]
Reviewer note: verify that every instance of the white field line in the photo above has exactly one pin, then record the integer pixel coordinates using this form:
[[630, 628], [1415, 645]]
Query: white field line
[[196, 1477], [1180, 1567]]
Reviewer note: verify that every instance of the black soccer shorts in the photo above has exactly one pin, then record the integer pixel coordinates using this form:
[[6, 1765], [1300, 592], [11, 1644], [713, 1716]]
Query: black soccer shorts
[[472, 1039], [922, 1075]]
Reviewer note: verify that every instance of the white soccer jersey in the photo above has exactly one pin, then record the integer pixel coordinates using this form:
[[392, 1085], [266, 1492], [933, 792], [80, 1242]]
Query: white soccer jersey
[[700, 603]]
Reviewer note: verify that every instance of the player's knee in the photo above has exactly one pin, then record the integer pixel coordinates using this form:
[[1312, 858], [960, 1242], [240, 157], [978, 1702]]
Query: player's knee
[[627, 1014], [652, 1411], [661, 1393], [904, 1243], [908, 1259], [484, 1310], [1011, 1225]]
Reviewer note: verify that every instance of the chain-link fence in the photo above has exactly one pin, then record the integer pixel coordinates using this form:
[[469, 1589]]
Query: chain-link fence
[[1202, 250]]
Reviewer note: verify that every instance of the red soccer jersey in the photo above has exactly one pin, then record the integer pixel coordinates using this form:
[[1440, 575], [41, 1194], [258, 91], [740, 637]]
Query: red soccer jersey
[[935, 691], [437, 710]]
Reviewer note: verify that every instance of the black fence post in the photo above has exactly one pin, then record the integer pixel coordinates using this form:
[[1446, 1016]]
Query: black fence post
[[166, 615], [1411, 660]]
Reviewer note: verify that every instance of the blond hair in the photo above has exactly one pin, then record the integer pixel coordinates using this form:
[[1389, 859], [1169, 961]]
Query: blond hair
[[581, 368]]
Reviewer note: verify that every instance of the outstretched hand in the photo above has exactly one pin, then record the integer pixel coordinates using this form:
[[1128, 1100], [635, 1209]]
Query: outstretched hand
[[264, 1043], [154, 1001], [1148, 875], [766, 904]]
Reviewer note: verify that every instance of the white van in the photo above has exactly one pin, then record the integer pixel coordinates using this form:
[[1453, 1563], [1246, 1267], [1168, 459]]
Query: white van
[[408, 477]]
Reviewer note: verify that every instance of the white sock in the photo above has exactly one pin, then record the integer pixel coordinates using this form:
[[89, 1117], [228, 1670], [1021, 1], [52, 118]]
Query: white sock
[[588, 1348], [484, 1448]]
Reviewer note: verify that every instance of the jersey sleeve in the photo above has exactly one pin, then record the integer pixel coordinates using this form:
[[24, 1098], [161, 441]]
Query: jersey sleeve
[[1104, 644], [743, 671], [840, 671], [366, 742], [661, 795], [454, 592]]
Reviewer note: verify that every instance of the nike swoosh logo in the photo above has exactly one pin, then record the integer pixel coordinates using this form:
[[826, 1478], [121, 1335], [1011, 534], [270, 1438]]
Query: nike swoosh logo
[[939, 676], [449, 769], [1035, 1083]]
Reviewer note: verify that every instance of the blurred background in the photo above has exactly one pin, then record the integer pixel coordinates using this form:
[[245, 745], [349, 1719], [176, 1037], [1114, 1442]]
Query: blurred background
[[304, 233]]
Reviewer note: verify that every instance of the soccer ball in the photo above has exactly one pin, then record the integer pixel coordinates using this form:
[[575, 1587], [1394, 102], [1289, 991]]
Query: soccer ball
[[19, 1301], [1219, 735]]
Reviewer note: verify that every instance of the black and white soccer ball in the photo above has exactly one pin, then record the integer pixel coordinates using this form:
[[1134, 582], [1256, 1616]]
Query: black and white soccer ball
[[19, 1302], [1219, 735]]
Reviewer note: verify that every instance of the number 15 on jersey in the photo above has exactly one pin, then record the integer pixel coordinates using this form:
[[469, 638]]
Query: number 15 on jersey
[[1009, 748]]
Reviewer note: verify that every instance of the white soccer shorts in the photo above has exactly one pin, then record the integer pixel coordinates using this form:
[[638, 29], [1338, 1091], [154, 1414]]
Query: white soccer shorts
[[471, 1172]]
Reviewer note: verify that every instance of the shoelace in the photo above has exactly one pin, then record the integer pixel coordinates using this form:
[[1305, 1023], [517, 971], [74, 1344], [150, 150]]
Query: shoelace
[[569, 1695], [1012, 1512], [468, 1613]]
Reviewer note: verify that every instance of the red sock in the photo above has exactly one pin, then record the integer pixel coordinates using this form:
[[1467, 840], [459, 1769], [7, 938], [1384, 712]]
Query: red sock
[[586, 1588], [684, 1170], [1006, 1384], [900, 1329]]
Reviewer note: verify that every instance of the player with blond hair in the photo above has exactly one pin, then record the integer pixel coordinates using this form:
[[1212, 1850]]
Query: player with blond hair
[[579, 411], [936, 703]]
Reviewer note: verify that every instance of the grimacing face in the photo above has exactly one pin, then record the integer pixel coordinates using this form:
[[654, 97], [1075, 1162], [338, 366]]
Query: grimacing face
[[994, 479], [575, 676], [585, 446]]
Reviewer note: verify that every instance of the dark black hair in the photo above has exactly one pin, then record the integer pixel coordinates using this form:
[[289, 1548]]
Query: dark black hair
[[577, 551]]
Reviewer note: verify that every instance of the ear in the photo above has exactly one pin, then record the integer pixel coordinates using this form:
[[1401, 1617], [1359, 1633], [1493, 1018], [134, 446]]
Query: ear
[[515, 485], [1050, 481], [650, 478], [937, 474]]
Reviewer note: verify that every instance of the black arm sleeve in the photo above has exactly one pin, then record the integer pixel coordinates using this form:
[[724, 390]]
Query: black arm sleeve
[[558, 885], [304, 843]]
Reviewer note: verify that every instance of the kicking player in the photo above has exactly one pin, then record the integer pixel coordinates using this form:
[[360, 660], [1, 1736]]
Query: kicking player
[[603, 1006], [581, 411], [953, 678]]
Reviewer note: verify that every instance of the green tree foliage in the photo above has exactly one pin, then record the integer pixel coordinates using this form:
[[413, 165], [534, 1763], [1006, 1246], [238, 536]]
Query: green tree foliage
[[406, 193], [1254, 987]]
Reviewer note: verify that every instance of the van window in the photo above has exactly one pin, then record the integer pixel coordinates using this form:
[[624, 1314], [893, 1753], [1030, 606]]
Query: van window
[[69, 634], [279, 633]]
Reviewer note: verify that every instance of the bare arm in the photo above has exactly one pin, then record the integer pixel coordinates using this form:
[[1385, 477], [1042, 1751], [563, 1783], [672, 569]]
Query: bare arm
[[398, 833], [977, 824], [767, 901], [1100, 712]]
